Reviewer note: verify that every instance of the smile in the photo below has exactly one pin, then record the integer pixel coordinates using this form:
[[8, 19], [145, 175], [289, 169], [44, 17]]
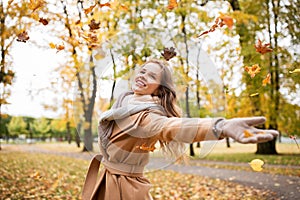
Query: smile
[[140, 83]]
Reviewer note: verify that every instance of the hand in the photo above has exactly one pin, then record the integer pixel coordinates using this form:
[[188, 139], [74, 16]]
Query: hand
[[242, 130]]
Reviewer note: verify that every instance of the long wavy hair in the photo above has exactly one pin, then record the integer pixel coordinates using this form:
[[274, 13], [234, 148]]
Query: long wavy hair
[[168, 99]]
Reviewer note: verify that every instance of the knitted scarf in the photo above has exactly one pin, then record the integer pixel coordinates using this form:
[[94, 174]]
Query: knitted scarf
[[107, 119]]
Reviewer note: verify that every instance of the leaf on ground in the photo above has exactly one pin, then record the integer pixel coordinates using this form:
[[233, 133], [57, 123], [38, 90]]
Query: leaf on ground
[[256, 165]]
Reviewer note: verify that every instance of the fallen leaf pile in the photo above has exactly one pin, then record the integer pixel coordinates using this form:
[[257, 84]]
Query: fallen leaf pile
[[172, 185], [41, 176]]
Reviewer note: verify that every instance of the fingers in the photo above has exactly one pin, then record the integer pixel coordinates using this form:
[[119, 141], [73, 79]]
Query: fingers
[[252, 121], [260, 137]]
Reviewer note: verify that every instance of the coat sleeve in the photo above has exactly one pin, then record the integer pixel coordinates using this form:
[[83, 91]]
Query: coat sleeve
[[186, 130]]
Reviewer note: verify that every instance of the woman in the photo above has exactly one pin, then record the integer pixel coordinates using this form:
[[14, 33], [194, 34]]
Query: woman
[[144, 116]]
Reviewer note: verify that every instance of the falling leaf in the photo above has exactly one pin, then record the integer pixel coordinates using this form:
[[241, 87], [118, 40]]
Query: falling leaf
[[52, 45], [44, 21], [104, 4], [93, 25], [247, 134], [23, 37], [254, 94], [89, 9], [172, 4], [253, 70], [219, 22], [36, 4], [267, 80], [262, 48], [146, 148], [169, 53], [115, 5], [293, 137], [60, 47], [295, 71], [256, 165], [226, 20]]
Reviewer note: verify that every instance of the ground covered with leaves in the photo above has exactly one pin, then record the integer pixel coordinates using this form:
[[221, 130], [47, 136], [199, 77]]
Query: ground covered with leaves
[[44, 176]]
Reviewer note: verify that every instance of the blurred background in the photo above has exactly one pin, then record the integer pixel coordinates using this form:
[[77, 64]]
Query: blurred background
[[64, 62]]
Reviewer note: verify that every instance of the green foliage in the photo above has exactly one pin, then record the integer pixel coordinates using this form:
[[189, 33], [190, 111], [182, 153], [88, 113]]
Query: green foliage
[[17, 126], [41, 128]]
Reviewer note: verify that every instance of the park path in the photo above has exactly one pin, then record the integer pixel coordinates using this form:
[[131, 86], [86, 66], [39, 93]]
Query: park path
[[285, 187]]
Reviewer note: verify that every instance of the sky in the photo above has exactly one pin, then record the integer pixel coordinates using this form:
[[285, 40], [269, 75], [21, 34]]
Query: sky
[[33, 67]]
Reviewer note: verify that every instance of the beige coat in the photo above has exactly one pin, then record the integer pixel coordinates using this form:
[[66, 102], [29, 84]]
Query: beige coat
[[132, 138]]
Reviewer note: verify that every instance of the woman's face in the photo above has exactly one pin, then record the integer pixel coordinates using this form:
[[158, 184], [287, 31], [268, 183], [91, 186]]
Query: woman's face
[[147, 80]]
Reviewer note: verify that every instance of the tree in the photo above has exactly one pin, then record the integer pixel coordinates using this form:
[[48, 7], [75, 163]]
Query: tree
[[17, 126], [15, 12], [41, 128]]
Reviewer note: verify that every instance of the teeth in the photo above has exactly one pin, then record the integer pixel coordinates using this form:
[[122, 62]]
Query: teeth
[[140, 83]]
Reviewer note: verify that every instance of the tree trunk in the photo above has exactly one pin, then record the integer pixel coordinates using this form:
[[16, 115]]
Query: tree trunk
[[270, 147], [266, 147]]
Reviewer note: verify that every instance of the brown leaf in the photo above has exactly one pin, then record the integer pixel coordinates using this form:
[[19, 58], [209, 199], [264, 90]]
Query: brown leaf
[[168, 53], [23, 37], [44, 21], [93, 25], [262, 48]]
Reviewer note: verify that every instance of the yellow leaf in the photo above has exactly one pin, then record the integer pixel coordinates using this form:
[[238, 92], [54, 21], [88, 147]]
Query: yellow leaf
[[295, 71], [52, 45], [247, 134], [254, 94], [256, 164], [267, 80], [253, 70]]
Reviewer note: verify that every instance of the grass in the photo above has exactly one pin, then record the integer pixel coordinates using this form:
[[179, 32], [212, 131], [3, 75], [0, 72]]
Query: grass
[[285, 162]]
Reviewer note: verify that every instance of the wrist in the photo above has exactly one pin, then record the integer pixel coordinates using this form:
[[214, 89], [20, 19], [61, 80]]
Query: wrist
[[217, 128]]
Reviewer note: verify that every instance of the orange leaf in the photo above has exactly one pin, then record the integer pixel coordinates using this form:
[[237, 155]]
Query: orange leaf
[[253, 70], [172, 4], [227, 20], [89, 9], [262, 48], [60, 47], [145, 148], [267, 80], [220, 22], [247, 134]]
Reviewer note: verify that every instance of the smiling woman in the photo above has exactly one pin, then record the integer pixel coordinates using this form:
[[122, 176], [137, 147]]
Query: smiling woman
[[148, 79], [143, 117]]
